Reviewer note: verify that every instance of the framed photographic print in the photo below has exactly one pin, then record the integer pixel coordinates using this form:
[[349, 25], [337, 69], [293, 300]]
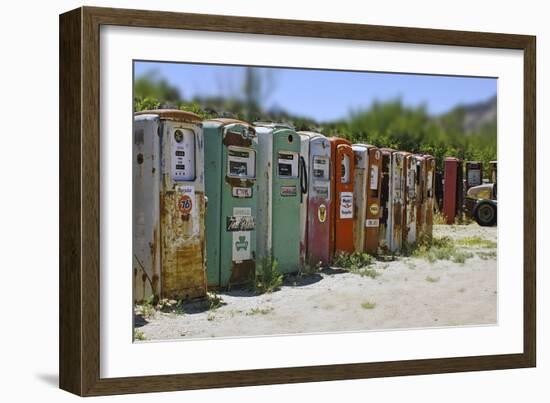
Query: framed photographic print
[[249, 201]]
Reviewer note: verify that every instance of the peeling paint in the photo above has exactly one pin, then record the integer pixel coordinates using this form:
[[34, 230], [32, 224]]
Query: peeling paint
[[397, 193], [385, 202], [168, 206], [231, 192], [343, 170], [429, 196], [239, 182], [242, 273], [237, 140], [317, 220], [183, 257]]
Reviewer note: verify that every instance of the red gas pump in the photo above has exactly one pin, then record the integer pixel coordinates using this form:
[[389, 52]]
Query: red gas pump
[[452, 189]]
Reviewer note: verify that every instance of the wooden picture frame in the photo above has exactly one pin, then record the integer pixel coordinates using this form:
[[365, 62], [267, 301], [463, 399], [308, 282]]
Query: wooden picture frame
[[79, 349]]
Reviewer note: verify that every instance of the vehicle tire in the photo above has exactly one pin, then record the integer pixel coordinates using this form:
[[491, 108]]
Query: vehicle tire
[[485, 214]]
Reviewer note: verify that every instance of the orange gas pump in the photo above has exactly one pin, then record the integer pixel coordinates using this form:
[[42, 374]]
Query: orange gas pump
[[343, 168]]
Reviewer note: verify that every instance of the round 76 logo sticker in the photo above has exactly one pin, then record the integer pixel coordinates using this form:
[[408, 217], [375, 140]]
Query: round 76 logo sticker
[[185, 204]]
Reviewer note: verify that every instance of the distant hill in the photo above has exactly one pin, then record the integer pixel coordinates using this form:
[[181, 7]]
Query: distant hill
[[478, 116]]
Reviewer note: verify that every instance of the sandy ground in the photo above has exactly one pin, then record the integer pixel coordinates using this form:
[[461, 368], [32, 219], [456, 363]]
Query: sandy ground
[[407, 293]]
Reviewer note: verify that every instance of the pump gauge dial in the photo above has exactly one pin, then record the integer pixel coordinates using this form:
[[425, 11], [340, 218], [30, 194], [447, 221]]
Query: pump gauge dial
[[178, 136]]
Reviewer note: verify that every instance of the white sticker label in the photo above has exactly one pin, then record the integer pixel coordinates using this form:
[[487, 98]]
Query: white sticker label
[[374, 177], [242, 211], [372, 222], [346, 205], [241, 248], [187, 189], [241, 193], [187, 199]]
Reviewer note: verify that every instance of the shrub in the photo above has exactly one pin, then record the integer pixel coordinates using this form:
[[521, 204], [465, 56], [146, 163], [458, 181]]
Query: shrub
[[352, 261], [268, 278], [357, 263]]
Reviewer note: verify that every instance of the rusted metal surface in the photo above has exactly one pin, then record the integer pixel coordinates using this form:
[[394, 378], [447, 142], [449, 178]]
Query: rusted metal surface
[[452, 191], [168, 206], [397, 192], [231, 220], [411, 195], [372, 223], [239, 182], [242, 273], [368, 160], [385, 201], [173, 114], [420, 196], [343, 195], [182, 249], [361, 160], [237, 140], [319, 198], [146, 240], [429, 196], [229, 121]]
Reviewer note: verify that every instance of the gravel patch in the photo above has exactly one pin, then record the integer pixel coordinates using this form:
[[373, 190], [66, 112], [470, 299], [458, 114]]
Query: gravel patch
[[408, 293]]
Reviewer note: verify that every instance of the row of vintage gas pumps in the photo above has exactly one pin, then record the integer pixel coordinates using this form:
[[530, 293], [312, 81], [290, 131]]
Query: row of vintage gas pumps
[[214, 199]]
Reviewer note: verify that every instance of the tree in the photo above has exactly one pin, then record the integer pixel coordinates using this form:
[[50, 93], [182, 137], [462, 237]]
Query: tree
[[150, 91]]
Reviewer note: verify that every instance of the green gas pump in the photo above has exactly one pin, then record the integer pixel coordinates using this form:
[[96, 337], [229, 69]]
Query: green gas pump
[[230, 180], [279, 196]]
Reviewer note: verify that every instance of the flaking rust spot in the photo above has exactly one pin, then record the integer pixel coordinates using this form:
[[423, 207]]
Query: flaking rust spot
[[154, 269], [238, 182], [237, 140], [397, 218], [183, 274], [242, 273]]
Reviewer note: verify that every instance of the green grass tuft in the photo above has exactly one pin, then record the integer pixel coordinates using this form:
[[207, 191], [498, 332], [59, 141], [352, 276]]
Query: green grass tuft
[[441, 249], [260, 311], [368, 305], [487, 255], [477, 242], [268, 277], [214, 301], [357, 263]]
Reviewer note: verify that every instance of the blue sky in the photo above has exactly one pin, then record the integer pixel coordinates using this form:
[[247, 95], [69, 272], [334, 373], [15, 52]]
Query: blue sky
[[326, 95]]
